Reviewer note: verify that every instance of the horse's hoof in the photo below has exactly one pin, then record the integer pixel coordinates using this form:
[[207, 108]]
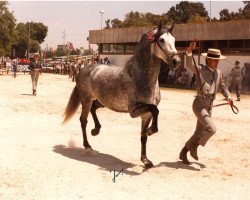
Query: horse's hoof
[[151, 131], [148, 164], [87, 146], [95, 132]]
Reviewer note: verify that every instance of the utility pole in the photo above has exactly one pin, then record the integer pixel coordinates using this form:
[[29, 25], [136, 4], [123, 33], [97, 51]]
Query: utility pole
[[28, 53], [101, 12], [210, 10], [64, 36]]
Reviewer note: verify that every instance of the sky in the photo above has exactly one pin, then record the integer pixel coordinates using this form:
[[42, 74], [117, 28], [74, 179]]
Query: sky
[[76, 18]]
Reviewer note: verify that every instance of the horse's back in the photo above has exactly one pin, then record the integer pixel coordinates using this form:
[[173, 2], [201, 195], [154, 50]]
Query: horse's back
[[108, 84]]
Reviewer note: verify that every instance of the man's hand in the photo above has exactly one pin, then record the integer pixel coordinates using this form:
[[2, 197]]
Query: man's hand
[[192, 46], [230, 101]]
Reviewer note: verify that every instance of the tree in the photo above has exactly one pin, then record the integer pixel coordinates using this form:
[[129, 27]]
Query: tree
[[29, 33], [246, 9], [225, 15], [185, 10], [38, 31], [7, 27], [116, 23], [61, 52], [244, 13], [197, 19], [135, 19], [107, 22]]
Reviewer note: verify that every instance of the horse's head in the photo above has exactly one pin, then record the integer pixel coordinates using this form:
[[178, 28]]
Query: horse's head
[[163, 45]]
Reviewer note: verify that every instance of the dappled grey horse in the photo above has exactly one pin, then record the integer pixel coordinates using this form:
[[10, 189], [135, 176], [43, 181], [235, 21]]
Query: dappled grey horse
[[132, 89]]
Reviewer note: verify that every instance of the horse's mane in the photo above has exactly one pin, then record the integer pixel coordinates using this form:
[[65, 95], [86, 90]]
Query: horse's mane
[[139, 49], [142, 52]]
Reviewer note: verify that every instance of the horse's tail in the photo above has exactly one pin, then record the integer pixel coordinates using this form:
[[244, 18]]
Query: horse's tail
[[72, 106]]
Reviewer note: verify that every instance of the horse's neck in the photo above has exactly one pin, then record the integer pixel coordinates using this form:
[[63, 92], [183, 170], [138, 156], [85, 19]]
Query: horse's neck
[[146, 66]]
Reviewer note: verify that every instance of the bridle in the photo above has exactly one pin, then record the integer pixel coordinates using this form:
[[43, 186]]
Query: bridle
[[151, 38]]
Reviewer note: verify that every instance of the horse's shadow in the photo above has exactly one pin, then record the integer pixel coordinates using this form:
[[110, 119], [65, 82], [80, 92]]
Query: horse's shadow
[[181, 165], [104, 161]]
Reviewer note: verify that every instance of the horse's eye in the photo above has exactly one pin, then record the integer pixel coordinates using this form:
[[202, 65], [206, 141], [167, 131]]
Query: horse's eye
[[162, 40]]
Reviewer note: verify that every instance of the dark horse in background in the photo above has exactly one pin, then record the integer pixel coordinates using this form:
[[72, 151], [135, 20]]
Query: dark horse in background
[[132, 89]]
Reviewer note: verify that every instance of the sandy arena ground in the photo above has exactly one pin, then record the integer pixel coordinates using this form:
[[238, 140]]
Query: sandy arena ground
[[40, 159]]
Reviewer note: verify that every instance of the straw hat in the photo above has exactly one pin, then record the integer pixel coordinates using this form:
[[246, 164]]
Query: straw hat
[[213, 54]]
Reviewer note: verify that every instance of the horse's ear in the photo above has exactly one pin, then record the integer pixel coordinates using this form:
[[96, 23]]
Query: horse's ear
[[160, 26], [170, 28]]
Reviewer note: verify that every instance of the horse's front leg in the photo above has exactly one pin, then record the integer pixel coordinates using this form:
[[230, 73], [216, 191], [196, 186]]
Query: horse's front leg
[[144, 128], [95, 105], [141, 108]]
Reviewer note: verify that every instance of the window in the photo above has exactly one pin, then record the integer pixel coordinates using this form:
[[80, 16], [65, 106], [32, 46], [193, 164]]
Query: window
[[111, 48], [129, 48], [118, 48], [105, 48]]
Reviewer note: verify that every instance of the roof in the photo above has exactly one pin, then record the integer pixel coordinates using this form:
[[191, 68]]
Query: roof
[[226, 30]]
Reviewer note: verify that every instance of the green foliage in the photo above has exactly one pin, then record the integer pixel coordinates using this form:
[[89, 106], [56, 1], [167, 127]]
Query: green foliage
[[116, 23], [38, 31], [88, 52], [15, 38], [7, 27], [197, 19], [136, 19], [50, 54], [185, 11], [246, 10], [244, 13], [61, 52]]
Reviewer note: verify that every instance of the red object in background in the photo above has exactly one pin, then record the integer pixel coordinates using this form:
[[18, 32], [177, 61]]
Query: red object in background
[[23, 61]]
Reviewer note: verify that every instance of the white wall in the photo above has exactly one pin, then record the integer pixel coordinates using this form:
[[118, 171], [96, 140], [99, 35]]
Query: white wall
[[119, 60], [224, 65]]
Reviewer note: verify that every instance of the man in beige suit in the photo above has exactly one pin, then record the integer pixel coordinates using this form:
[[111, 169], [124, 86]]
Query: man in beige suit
[[34, 67], [209, 79]]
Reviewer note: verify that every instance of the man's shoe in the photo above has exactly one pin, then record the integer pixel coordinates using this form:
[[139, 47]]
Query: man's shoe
[[193, 151], [238, 99], [183, 156]]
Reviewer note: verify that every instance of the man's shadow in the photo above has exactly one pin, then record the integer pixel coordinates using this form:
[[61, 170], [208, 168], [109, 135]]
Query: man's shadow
[[105, 161]]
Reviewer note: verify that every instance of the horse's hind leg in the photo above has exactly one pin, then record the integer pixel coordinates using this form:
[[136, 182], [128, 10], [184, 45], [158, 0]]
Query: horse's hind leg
[[95, 105], [86, 105], [144, 128]]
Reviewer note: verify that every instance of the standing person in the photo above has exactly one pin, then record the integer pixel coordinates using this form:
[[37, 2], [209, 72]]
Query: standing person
[[14, 65], [34, 67], [209, 80], [234, 78]]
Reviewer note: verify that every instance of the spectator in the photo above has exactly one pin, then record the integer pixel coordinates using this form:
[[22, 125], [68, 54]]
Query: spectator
[[35, 68], [183, 79], [234, 79], [14, 65], [171, 76], [193, 81]]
